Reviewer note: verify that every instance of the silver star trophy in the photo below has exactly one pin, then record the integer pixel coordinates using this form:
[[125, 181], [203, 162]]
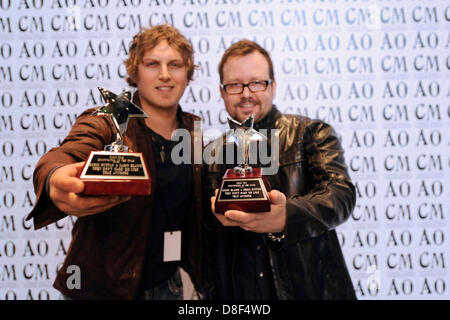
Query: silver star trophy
[[121, 109], [242, 134], [243, 187], [115, 170]]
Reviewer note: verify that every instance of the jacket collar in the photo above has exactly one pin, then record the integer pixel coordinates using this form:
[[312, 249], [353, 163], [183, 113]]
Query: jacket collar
[[268, 122]]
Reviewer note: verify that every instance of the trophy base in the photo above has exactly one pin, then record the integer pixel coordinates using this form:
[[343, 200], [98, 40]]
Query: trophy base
[[115, 173], [248, 193], [116, 187]]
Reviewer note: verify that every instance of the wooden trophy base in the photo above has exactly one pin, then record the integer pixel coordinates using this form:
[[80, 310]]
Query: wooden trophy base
[[116, 187], [247, 193], [115, 173]]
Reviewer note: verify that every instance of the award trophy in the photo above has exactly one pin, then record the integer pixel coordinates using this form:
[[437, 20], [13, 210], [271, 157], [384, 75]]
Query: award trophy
[[115, 171], [243, 188]]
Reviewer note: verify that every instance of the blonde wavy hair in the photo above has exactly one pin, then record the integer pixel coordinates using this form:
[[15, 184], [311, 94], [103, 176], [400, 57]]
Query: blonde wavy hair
[[147, 39]]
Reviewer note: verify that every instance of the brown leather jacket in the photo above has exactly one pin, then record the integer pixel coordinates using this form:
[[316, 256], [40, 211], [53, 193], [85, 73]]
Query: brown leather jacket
[[109, 247], [320, 196]]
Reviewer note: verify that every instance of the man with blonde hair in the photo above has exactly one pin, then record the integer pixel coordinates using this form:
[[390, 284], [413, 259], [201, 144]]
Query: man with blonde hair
[[118, 242]]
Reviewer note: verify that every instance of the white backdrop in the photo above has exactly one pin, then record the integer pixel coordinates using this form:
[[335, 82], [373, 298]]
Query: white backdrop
[[378, 71]]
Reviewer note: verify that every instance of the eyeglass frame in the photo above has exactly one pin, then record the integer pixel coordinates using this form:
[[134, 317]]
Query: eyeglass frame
[[267, 82]]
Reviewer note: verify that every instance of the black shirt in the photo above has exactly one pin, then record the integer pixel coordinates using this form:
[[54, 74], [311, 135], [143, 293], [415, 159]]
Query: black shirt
[[253, 277], [170, 202]]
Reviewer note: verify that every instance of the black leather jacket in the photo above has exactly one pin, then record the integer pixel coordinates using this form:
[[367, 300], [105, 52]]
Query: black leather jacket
[[308, 264]]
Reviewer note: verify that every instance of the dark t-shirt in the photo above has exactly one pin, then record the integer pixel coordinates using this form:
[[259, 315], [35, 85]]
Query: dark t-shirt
[[170, 203]]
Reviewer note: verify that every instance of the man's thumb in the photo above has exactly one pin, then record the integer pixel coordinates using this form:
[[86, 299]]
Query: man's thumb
[[276, 197]]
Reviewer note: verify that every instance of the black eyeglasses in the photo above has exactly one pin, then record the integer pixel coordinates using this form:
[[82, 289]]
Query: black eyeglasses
[[254, 86]]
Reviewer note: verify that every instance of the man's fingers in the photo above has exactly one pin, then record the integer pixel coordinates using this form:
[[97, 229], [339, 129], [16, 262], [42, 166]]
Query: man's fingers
[[255, 222], [79, 167], [239, 216], [99, 202], [66, 178], [225, 221], [67, 184], [87, 205], [65, 189], [231, 218]]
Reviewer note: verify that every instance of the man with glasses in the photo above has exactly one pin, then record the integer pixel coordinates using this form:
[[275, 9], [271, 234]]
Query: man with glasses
[[291, 252]]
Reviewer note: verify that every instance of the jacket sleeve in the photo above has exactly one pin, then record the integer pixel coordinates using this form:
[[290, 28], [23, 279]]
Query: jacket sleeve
[[331, 196], [88, 134]]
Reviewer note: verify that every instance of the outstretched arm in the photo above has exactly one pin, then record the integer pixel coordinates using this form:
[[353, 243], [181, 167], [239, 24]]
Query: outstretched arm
[[55, 177]]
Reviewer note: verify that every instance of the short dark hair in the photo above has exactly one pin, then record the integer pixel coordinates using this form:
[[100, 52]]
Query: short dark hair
[[243, 48]]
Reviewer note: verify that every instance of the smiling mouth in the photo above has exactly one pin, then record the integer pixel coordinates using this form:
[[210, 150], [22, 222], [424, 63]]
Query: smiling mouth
[[246, 105], [164, 88]]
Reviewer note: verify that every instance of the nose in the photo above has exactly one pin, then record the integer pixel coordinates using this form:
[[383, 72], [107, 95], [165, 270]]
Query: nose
[[246, 93], [164, 74]]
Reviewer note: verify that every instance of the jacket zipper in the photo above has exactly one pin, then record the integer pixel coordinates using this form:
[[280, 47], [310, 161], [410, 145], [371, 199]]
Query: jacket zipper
[[280, 292]]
